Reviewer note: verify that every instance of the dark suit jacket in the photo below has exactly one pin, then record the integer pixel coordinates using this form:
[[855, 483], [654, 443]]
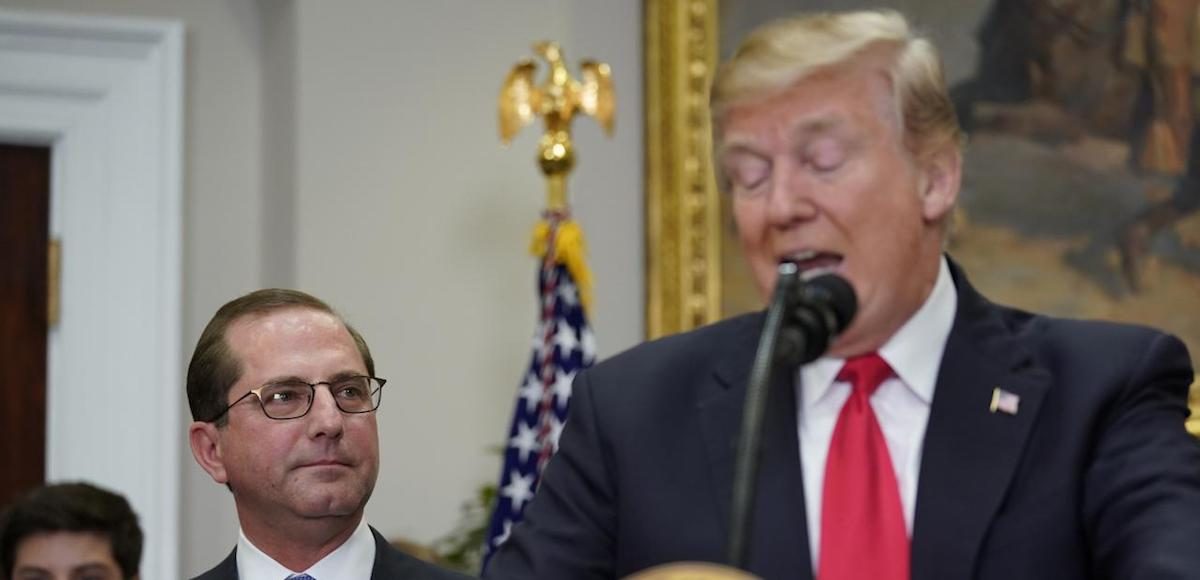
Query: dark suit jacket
[[390, 564], [1094, 477]]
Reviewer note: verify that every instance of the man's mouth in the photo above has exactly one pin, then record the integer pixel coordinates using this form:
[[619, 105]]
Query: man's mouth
[[814, 262], [325, 463]]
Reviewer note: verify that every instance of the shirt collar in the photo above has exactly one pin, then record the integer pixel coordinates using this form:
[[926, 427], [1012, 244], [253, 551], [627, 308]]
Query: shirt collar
[[353, 560], [914, 352]]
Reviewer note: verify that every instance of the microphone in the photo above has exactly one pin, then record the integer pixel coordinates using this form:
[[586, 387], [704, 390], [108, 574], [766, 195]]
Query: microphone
[[803, 317], [819, 310]]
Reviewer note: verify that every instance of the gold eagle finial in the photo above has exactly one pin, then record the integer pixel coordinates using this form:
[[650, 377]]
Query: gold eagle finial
[[559, 98], [556, 101]]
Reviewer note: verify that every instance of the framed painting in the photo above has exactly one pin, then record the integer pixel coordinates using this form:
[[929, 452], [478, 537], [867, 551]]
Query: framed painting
[[1080, 194]]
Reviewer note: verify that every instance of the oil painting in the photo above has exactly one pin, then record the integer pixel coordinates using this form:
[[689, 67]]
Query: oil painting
[[1079, 197]]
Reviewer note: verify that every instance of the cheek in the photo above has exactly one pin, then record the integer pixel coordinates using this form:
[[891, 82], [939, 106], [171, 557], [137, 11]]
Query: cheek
[[750, 221], [752, 232], [258, 452], [364, 435]]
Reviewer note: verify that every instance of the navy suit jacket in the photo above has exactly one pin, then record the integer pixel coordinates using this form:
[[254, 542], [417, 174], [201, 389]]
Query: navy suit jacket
[[1093, 477], [390, 564]]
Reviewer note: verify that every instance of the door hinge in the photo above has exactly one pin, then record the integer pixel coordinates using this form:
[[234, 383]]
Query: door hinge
[[53, 281]]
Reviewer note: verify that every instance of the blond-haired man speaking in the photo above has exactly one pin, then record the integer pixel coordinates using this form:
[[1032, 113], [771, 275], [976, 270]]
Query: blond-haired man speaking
[[941, 436]]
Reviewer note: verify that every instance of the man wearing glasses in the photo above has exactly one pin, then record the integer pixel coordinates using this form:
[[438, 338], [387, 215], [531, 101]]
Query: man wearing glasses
[[283, 395]]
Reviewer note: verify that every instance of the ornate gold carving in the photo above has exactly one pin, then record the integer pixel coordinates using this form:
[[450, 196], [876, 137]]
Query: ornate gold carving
[[683, 258]]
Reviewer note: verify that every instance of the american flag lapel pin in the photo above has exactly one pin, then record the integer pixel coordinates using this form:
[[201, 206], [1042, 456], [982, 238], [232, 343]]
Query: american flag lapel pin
[[1004, 402]]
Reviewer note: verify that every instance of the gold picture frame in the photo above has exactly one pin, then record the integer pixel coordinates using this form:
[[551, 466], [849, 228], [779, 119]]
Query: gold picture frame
[[682, 206], [684, 238]]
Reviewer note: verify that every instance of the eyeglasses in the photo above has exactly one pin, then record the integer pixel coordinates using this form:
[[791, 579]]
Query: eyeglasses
[[294, 399]]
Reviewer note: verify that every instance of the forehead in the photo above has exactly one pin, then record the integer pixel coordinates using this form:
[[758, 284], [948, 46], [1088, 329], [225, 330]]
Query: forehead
[[290, 336], [64, 551], [857, 97]]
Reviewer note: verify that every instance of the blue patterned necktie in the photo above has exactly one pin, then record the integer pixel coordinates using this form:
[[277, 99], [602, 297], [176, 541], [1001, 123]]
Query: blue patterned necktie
[[300, 577]]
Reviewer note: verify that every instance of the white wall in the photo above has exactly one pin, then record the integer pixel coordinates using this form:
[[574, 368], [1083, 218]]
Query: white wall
[[349, 149], [222, 209], [421, 235]]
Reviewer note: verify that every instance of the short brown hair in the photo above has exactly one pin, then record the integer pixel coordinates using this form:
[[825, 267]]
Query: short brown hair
[[214, 368]]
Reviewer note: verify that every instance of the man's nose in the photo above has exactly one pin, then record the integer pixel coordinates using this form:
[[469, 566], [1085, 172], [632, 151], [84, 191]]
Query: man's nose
[[789, 197], [325, 418]]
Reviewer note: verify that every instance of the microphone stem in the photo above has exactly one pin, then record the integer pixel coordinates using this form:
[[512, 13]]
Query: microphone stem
[[749, 449]]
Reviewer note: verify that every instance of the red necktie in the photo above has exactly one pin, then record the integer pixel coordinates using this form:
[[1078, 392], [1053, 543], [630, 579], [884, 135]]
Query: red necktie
[[862, 522]]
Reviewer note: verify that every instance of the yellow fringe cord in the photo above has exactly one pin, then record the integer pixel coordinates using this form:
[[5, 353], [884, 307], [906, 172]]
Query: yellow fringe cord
[[569, 250]]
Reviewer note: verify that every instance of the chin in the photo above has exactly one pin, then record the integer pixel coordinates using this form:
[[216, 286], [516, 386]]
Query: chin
[[333, 500], [854, 342], [332, 506]]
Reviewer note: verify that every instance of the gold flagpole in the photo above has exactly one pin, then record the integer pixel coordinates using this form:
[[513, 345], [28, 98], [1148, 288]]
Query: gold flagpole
[[557, 101], [557, 238]]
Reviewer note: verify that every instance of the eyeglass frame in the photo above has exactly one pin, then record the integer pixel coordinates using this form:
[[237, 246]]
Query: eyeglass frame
[[313, 388]]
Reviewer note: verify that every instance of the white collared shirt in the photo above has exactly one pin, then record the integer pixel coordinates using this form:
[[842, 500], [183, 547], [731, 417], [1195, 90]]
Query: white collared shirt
[[353, 560], [901, 403]]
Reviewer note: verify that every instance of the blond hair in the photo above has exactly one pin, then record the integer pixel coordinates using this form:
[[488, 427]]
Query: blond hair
[[778, 55]]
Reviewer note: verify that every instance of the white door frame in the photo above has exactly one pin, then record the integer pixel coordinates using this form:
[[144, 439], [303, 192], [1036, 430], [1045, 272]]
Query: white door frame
[[106, 95]]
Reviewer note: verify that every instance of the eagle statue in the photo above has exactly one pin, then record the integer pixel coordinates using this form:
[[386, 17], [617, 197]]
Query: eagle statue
[[556, 101]]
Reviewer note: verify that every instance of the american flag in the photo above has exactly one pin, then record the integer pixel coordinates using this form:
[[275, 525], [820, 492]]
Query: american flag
[[563, 345], [1004, 402]]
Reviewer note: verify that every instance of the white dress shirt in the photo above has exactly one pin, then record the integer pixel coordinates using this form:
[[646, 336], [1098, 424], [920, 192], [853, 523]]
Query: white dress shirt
[[353, 560], [901, 403]]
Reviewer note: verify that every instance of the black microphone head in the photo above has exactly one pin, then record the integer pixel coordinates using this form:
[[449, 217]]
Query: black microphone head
[[834, 293], [818, 310]]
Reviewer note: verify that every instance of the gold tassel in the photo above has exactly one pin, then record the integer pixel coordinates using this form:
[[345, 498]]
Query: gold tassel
[[570, 249]]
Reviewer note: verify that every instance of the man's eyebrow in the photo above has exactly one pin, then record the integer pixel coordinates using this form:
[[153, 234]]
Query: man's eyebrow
[[91, 567], [284, 379], [818, 126], [737, 146], [298, 379], [28, 571]]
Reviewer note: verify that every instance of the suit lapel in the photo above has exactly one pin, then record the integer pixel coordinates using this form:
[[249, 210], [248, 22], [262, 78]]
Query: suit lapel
[[971, 452], [226, 570], [382, 548], [779, 537]]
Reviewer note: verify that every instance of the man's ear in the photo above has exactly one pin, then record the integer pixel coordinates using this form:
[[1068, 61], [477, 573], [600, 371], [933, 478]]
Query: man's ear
[[941, 179], [206, 448]]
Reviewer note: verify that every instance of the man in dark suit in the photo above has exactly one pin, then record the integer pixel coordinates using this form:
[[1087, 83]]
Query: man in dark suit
[[283, 393], [941, 436]]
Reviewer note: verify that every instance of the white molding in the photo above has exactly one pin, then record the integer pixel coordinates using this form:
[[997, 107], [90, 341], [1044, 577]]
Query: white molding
[[106, 94]]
